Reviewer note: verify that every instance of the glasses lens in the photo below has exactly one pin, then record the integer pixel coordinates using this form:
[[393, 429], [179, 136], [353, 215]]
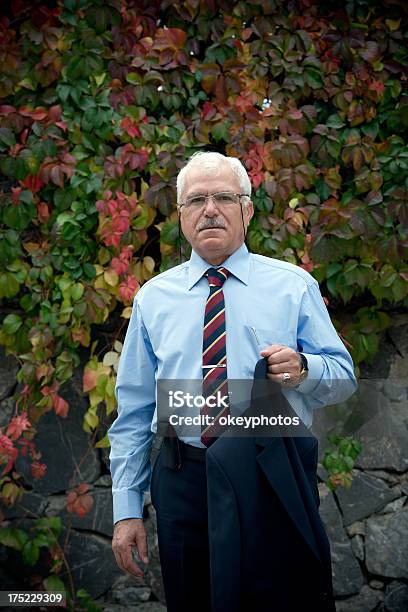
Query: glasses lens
[[222, 198], [225, 197], [198, 200]]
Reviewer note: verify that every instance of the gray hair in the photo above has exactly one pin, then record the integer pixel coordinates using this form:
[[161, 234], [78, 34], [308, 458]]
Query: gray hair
[[211, 160]]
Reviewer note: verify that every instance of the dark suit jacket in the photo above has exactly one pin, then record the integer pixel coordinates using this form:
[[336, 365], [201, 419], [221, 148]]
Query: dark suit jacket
[[268, 547]]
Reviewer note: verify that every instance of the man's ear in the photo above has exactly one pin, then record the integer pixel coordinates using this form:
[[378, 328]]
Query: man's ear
[[250, 211]]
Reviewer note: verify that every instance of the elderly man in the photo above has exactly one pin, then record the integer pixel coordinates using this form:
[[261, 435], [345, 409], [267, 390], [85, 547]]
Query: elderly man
[[210, 318]]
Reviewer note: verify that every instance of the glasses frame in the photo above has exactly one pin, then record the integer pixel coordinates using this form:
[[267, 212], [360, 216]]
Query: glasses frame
[[211, 195]]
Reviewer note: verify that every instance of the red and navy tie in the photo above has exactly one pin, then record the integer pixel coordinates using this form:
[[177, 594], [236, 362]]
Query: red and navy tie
[[214, 354]]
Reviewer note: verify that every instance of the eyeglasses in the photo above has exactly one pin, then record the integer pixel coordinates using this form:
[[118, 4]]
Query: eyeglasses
[[222, 198]]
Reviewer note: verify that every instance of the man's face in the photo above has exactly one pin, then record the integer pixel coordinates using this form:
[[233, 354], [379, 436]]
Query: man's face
[[214, 232]]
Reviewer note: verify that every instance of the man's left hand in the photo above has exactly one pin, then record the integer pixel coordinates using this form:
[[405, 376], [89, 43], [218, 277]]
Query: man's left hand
[[282, 359]]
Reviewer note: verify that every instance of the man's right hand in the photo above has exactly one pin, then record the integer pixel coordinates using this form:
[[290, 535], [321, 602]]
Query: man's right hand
[[128, 533]]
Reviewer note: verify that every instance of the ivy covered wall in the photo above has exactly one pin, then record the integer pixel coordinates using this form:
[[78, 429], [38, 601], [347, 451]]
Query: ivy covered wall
[[102, 102]]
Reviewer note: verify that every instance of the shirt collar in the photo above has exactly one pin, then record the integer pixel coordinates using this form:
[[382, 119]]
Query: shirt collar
[[237, 264]]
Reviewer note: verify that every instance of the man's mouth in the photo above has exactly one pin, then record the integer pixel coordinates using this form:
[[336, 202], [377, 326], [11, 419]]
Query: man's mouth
[[211, 227]]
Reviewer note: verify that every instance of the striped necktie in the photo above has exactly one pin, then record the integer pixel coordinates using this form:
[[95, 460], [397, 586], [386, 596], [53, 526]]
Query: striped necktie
[[214, 353]]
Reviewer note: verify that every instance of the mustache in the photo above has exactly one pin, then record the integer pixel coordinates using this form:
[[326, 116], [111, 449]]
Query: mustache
[[209, 223]]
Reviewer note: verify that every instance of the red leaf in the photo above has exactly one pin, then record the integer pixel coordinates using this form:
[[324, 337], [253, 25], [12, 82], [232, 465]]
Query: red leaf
[[15, 195], [54, 113], [38, 114], [8, 453], [62, 125], [256, 178], [130, 127], [84, 505], [209, 111], [43, 212], [26, 445], [89, 380], [5, 109], [57, 176], [83, 488], [127, 289], [61, 406], [33, 183], [377, 86], [79, 501], [17, 425], [294, 113], [172, 38], [246, 33], [38, 469], [119, 266], [371, 51]]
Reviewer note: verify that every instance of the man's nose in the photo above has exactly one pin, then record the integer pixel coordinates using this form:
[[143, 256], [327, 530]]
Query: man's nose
[[210, 208]]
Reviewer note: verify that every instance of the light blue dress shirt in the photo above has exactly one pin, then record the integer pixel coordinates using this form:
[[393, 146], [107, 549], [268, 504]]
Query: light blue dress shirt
[[164, 341]]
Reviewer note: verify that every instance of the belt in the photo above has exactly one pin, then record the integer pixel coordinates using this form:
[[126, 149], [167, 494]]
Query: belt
[[192, 452]]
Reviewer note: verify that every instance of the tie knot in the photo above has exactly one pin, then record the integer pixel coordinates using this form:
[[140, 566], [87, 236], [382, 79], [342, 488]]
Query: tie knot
[[217, 277]]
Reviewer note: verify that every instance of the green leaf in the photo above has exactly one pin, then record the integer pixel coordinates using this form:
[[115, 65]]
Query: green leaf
[[62, 199], [313, 77], [71, 263], [220, 131], [8, 166], [12, 323], [44, 539], [89, 270], [141, 220], [103, 443], [7, 137], [335, 122], [349, 462], [169, 233], [32, 163], [333, 269], [26, 196], [53, 584], [371, 130], [77, 291], [66, 217], [13, 538], [133, 78], [322, 188], [9, 286], [399, 288], [50, 522], [31, 553], [18, 216], [92, 420]]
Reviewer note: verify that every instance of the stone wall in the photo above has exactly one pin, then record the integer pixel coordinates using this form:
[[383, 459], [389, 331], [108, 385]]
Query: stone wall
[[367, 524]]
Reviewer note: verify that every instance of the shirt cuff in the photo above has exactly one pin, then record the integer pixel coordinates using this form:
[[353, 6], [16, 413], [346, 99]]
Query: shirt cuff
[[315, 365], [127, 504]]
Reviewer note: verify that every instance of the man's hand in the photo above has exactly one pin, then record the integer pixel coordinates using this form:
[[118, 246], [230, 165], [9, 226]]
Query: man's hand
[[129, 533], [282, 359]]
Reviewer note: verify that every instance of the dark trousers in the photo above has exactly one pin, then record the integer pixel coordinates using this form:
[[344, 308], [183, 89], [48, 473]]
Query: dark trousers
[[179, 497], [180, 500]]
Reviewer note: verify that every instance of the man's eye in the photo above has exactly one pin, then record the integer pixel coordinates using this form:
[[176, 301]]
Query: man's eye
[[224, 197], [197, 200]]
